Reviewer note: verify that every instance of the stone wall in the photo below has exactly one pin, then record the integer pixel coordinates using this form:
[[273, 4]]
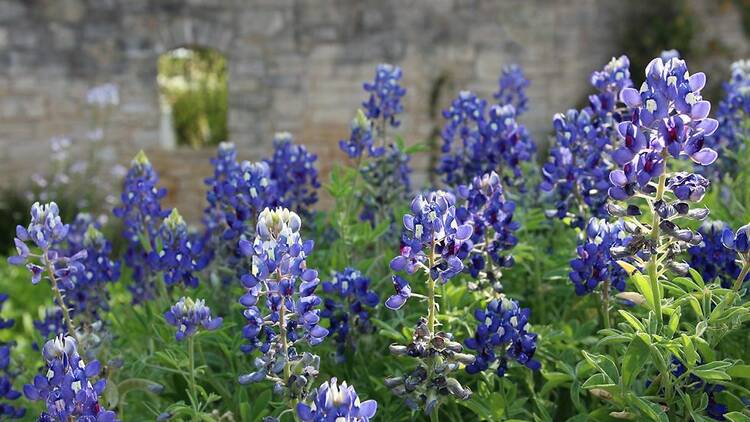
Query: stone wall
[[294, 65]]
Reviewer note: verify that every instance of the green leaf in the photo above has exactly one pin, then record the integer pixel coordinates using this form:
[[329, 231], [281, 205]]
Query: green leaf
[[635, 357], [713, 371], [652, 410], [739, 371], [632, 320], [643, 285], [598, 380], [605, 365], [736, 417]]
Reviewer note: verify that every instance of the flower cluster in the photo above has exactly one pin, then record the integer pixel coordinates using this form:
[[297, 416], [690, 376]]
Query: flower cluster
[[361, 139], [293, 171], [8, 410], [502, 335], [385, 92], [142, 215], [424, 385], [609, 82], [280, 277], [90, 296], [670, 118], [236, 194], [189, 315], [711, 258], [181, 255], [512, 88], [68, 389], [594, 264], [350, 306], [490, 214], [47, 232], [333, 402], [732, 114], [490, 140], [578, 167], [434, 241]]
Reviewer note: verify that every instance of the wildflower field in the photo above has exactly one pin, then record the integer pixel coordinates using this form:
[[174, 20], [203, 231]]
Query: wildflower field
[[595, 277]]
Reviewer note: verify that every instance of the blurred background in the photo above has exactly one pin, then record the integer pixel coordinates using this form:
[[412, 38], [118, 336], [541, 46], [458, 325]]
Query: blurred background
[[85, 84]]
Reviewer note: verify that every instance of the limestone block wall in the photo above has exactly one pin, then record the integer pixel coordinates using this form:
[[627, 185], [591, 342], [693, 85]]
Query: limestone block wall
[[294, 65]]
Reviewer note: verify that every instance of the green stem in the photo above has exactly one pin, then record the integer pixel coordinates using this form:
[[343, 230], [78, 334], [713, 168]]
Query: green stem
[[59, 297], [605, 304], [431, 293], [743, 274], [652, 264], [282, 334], [191, 362]]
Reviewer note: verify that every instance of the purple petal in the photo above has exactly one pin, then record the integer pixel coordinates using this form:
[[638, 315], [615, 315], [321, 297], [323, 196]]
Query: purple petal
[[395, 302], [399, 263], [700, 110], [463, 232], [697, 81], [708, 126], [631, 97], [368, 408], [705, 156]]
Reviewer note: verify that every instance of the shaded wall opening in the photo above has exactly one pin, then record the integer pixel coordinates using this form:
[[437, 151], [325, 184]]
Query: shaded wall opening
[[193, 97]]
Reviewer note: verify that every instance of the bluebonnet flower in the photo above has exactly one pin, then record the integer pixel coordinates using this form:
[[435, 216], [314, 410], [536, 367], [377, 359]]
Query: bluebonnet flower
[[47, 232], [732, 114], [711, 258], [738, 241], [8, 410], [714, 409], [68, 388], [90, 295], [491, 217], [503, 334], [669, 119], [333, 402], [609, 82], [512, 88], [223, 190], [142, 215], [348, 306], [490, 140], [280, 278], [181, 255], [361, 139], [434, 240], [385, 91], [294, 173], [577, 170], [189, 315], [594, 264]]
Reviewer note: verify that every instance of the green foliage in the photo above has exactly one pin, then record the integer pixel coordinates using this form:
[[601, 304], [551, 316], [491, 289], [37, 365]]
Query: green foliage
[[194, 83]]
